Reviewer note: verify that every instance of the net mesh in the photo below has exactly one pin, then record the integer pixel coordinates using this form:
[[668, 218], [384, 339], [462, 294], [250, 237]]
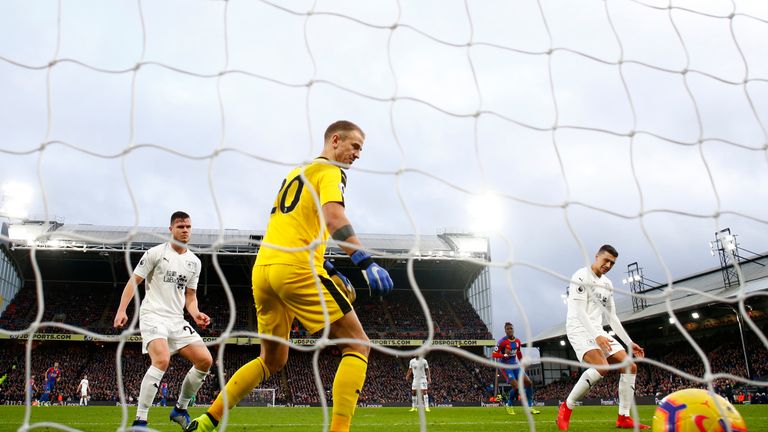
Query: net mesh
[[611, 102]]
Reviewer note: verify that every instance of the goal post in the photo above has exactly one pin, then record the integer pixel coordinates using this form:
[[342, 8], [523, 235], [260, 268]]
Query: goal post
[[260, 397]]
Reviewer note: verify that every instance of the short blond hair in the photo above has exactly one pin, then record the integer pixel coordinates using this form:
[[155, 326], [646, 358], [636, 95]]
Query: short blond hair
[[341, 126]]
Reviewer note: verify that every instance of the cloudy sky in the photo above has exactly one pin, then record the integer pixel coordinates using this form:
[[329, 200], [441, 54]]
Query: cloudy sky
[[623, 122]]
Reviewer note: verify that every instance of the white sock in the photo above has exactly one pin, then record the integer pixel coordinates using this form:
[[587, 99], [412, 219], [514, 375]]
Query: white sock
[[426, 400], [413, 401], [189, 387], [149, 386], [626, 393], [589, 378]]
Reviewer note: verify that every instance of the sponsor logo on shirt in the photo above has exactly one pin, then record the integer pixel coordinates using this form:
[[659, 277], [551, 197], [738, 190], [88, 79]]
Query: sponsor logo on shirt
[[602, 298], [176, 278]]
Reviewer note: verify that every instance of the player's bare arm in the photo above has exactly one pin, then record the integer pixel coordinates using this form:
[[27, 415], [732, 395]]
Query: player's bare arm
[[190, 297], [121, 318], [339, 226]]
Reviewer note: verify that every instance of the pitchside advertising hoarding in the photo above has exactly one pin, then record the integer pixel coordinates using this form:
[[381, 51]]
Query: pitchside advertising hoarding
[[66, 337]]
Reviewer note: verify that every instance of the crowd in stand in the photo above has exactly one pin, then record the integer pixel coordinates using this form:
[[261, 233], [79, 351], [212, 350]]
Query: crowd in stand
[[455, 379], [93, 308], [397, 316], [400, 316]]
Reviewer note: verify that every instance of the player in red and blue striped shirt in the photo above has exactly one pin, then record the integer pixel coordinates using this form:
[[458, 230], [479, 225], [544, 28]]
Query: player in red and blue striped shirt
[[52, 376], [508, 352]]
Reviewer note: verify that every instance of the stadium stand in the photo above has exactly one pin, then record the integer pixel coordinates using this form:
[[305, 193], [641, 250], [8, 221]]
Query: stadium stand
[[92, 308], [454, 379]]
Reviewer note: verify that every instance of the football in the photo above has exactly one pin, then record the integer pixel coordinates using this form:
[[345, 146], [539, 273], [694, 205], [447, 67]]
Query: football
[[696, 410]]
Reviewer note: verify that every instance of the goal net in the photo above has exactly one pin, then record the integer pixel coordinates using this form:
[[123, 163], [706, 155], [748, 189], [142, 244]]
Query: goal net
[[547, 127]]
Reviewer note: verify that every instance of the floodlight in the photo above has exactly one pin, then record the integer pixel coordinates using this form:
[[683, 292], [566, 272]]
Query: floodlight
[[16, 198], [486, 213]]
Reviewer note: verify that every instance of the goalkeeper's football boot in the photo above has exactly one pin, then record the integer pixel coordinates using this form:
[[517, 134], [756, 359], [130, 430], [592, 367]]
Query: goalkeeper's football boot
[[412, 409], [535, 411], [510, 409], [139, 425], [201, 424], [563, 417], [626, 422], [180, 416]]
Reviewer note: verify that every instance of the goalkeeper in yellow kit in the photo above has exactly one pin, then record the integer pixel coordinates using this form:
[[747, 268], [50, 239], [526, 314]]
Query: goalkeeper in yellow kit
[[284, 287]]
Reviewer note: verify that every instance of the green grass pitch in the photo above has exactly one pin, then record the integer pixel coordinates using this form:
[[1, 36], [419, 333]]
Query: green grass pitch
[[593, 419]]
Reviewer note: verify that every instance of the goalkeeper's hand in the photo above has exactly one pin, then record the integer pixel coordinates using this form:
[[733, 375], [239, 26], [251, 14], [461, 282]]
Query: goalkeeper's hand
[[378, 278], [341, 280]]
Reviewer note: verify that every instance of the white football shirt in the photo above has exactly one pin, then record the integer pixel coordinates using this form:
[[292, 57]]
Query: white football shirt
[[83, 386], [168, 274], [594, 294], [419, 368]]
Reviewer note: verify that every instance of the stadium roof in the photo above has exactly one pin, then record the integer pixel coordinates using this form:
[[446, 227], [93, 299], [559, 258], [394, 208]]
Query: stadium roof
[[96, 254], [53, 235], [710, 282]]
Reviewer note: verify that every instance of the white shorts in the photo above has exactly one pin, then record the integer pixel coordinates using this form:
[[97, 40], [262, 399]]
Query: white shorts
[[83, 394], [582, 343], [420, 384], [177, 333]]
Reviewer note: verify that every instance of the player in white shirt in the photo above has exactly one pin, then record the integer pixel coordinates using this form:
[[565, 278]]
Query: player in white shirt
[[590, 298], [418, 368], [83, 389], [172, 272]]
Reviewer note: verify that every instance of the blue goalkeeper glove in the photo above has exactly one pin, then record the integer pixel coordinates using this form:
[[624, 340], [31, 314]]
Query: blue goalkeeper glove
[[378, 278]]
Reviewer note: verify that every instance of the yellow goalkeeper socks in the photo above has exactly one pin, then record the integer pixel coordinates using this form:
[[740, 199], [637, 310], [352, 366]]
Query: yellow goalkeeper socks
[[346, 389], [242, 382]]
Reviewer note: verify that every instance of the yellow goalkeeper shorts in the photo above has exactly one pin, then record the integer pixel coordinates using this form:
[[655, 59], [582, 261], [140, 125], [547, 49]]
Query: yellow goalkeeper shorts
[[283, 292]]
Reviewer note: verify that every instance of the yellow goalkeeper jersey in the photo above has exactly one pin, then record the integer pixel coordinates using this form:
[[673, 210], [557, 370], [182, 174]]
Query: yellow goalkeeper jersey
[[295, 219]]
